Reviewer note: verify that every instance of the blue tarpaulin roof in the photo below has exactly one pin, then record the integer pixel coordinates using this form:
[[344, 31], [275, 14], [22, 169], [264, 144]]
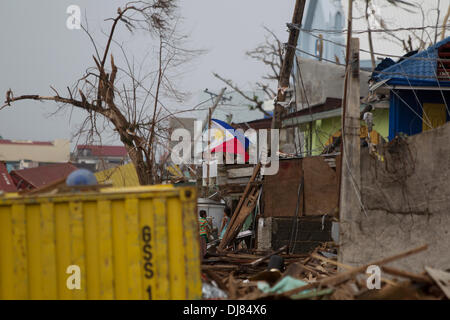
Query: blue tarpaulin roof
[[417, 70]]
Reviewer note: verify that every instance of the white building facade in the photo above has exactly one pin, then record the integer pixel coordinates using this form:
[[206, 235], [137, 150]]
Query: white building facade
[[326, 19]]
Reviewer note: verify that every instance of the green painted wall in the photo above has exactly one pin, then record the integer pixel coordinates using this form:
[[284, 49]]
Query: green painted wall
[[381, 121], [323, 129]]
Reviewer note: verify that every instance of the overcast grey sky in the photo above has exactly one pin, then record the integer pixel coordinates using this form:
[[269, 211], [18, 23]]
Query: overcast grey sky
[[37, 50]]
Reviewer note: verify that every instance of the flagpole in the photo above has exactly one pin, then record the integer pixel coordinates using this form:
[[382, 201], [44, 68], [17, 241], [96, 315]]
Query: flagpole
[[209, 152], [210, 113]]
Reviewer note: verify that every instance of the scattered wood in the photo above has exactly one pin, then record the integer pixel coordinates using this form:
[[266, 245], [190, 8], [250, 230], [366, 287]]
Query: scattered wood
[[219, 281], [344, 276], [237, 274], [245, 206], [441, 278], [232, 287], [260, 260], [401, 291], [345, 266], [219, 266], [406, 274]]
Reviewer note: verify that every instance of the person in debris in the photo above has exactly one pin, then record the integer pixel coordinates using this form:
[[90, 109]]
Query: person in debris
[[225, 220], [205, 228], [205, 231]]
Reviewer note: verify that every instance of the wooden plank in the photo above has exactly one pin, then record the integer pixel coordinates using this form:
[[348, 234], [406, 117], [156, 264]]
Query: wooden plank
[[258, 261], [406, 274], [247, 208], [442, 279], [219, 266], [247, 189], [321, 188], [240, 172], [237, 216], [345, 266]]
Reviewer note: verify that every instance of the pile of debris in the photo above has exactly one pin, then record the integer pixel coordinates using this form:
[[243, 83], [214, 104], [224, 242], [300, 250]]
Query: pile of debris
[[235, 271], [318, 275]]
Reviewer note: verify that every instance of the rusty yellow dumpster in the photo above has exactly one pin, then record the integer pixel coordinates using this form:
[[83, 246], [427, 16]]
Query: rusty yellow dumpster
[[116, 243]]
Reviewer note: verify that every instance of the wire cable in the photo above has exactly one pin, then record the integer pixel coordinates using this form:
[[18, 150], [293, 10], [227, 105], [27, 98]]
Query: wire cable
[[377, 53], [334, 31]]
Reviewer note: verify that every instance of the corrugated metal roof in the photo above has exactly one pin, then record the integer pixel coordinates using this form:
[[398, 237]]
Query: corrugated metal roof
[[255, 124], [6, 183], [121, 176], [419, 69], [105, 151], [39, 176]]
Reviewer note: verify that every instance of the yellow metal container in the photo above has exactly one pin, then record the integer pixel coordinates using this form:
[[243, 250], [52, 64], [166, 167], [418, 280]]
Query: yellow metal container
[[126, 243]]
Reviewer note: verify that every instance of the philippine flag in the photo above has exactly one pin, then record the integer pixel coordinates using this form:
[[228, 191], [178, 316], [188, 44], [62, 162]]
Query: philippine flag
[[224, 138]]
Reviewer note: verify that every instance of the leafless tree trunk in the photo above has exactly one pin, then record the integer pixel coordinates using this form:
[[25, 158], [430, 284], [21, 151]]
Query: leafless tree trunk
[[125, 102], [369, 33], [444, 23]]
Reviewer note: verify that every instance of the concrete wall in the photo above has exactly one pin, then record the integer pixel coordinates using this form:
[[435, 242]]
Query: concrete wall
[[406, 201], [323, 80], [309, 233]]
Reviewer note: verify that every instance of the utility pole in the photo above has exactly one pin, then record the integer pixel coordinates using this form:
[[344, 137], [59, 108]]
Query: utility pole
[[350, 148], [344, 98], [288, 61], [347, 57], [350, 206]]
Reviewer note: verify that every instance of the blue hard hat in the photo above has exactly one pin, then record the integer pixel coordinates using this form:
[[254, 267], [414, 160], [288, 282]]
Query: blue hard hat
[[81, 177]]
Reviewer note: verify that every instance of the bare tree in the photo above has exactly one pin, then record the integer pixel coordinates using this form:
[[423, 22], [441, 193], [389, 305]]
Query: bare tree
[[129, 98], [415, 38], [370, 14], [367, 16], [270, 53], [444, 23]]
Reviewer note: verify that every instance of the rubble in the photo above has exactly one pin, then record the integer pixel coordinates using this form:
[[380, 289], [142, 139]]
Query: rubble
[[317, 275]]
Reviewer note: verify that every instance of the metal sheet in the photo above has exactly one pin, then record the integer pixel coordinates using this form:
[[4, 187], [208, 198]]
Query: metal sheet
[[321, 188], [280, 190], [129, 243]]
